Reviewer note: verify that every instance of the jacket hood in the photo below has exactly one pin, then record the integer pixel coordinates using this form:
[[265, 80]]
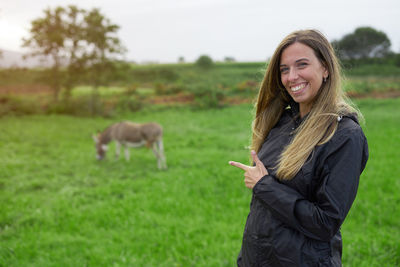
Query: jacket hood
[[295, 110], [352, 115]]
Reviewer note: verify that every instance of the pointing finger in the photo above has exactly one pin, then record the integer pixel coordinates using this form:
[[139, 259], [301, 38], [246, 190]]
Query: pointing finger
[[239, 165]]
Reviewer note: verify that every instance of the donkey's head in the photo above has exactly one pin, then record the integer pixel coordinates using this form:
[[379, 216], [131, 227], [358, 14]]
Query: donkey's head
[[101, 149]]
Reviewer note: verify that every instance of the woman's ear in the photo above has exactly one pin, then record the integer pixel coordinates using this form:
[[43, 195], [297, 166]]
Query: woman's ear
[[326, 73]]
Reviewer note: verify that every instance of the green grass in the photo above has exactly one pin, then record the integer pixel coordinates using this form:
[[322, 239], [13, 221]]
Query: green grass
[[371, 232], [382, 70], [368, 84], [60, 207], [104, 91]]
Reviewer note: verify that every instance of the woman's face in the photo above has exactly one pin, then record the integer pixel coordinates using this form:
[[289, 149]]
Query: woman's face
[[302, 74]]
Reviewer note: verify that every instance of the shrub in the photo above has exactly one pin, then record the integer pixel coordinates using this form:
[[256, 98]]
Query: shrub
[[247, 86], [168, 89], [204, 62], [160, 88], [83, 106], [18, 106], [131, 103], [397, 60], [132, 89], [154, 74], [207, 95]]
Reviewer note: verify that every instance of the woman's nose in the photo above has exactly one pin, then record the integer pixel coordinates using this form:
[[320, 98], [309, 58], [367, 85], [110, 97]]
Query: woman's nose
[[293, 75]]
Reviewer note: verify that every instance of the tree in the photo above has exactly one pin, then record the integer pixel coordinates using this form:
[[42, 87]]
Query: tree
[[47, 39], [204, 62], [229, 59], [74, 46], [364, 42], [79, 42], [101, 36]]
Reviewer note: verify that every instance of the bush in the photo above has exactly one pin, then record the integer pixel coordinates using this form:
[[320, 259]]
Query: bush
[[84, 106], [397, 60], [18, 106], [204, 62], [168, 89], [154, 74], [132, 103], [207, 95]]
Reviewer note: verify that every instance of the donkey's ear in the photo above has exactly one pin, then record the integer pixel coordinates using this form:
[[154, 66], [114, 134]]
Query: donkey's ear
[[95, 138]]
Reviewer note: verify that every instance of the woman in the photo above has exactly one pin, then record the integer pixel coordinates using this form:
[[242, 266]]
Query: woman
[[308, 152]]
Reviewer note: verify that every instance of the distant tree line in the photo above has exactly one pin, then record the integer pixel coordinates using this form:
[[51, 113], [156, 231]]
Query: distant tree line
[[364, 45], [83, 46]]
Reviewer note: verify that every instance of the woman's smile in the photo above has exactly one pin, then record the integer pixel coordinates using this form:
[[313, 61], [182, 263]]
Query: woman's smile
[[296, 88]]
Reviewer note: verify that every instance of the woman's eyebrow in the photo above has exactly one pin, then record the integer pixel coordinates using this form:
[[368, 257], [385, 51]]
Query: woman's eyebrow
[[302, 59]]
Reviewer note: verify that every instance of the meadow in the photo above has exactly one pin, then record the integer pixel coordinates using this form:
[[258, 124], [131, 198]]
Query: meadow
[[60, 207]]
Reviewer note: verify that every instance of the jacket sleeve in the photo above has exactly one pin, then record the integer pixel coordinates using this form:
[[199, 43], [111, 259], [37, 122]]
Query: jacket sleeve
[[321, 218]]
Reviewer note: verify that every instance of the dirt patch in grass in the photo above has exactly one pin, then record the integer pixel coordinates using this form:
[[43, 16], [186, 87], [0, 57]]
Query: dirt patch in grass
[[238, 100], [172, 99], [25, 89], [376, 94]]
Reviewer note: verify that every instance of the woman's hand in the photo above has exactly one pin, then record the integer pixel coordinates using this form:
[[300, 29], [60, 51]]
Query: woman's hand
[[252, 174]]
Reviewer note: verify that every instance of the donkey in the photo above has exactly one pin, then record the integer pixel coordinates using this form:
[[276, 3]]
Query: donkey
[[129, 134]]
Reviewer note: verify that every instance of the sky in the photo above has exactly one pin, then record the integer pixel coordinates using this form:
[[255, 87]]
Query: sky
[[247, 30]]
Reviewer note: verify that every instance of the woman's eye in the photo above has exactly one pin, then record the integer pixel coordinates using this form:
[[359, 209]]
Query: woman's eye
[[302, 65], [284, 70]]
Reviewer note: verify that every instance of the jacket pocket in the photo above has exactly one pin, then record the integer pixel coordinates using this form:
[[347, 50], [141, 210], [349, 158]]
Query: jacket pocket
[[261, 253], [316, 254]]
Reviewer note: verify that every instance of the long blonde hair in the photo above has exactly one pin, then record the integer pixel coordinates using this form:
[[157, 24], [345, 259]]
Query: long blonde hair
[[321, 123]]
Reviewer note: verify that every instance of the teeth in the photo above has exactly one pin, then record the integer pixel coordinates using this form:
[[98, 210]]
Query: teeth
[[298, 87]]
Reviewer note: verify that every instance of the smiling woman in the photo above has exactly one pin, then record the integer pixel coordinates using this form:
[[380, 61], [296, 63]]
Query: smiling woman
[[311, 152], [302, 75]]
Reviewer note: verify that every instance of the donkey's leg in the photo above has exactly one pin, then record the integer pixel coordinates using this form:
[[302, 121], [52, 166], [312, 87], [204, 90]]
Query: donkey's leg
[[117, 149], [156, 153], [127, 156], [161, 153]]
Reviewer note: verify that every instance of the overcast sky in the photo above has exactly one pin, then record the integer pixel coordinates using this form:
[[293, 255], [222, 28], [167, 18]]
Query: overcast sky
[[248, 30]]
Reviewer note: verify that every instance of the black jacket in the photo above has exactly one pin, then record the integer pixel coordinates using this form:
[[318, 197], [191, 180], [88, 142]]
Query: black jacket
[[297, 222]]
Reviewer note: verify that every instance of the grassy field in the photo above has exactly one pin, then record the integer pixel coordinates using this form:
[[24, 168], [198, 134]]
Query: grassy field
[[60, 207]]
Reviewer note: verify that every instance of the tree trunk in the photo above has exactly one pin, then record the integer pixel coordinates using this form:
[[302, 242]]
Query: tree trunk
[[95, 101], [55, 78]]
